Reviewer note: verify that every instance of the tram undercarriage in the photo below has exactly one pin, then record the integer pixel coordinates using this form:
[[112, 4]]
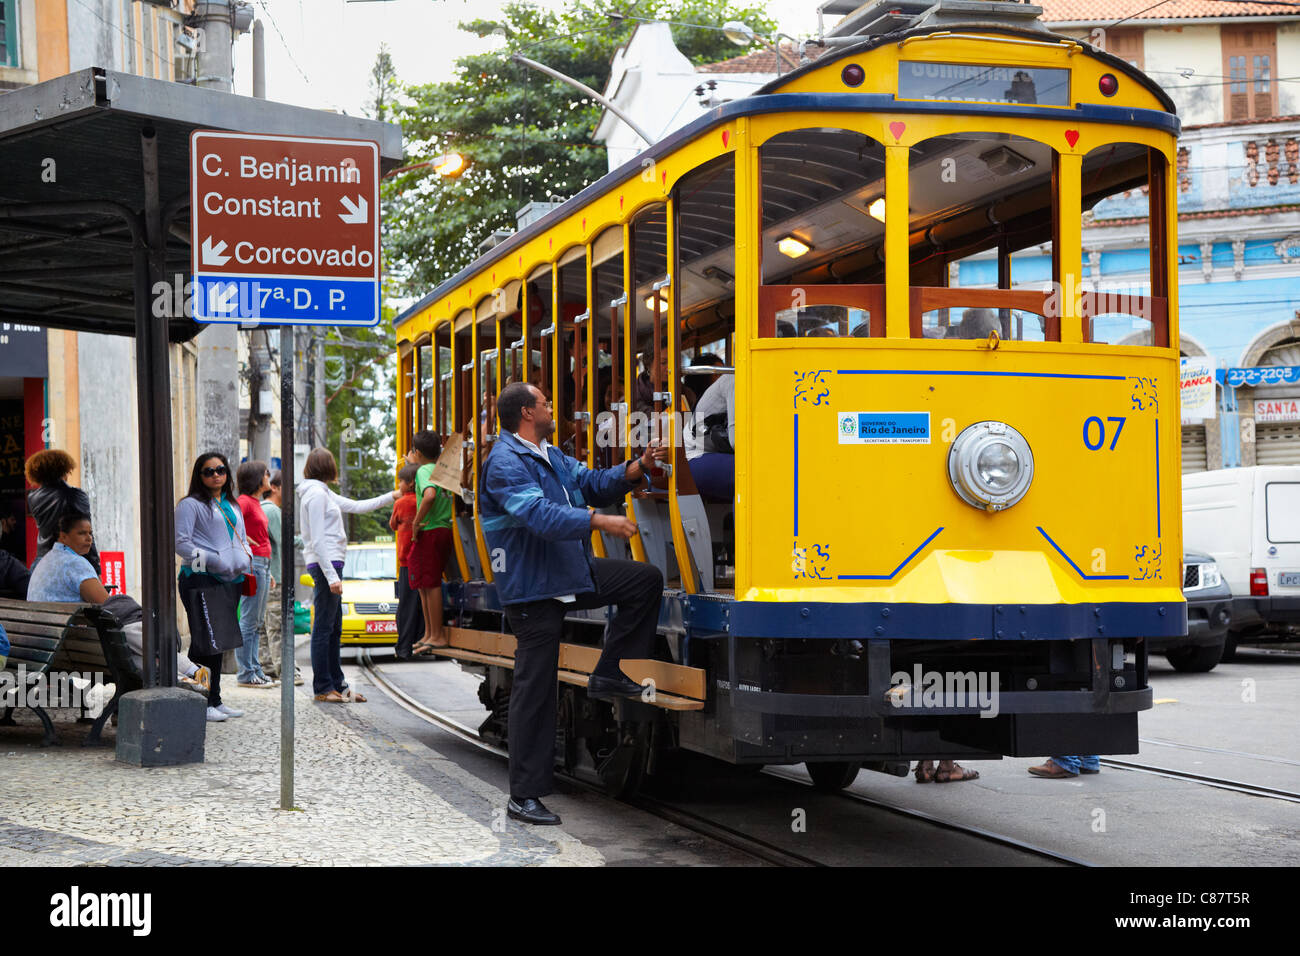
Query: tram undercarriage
[[838, 705]]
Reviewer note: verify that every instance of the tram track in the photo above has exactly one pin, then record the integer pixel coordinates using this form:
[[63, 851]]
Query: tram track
[[715, 830], [912, 813], [759, 849], [1218, 783]]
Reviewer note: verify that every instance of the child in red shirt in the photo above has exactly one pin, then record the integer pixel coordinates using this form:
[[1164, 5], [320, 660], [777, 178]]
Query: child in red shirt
[[410, 618]]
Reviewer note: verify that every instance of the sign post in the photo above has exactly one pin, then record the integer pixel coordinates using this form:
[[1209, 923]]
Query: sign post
[[284, 231]]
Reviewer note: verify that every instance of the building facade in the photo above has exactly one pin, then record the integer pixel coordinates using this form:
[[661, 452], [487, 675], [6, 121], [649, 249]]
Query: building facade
[[77, 390], [1231, 70]]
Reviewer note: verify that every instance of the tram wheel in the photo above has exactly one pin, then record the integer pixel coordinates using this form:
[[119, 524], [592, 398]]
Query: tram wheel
[[833, 775]]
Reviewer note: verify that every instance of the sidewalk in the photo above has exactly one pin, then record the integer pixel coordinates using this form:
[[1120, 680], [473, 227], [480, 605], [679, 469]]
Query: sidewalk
[[363, 798]]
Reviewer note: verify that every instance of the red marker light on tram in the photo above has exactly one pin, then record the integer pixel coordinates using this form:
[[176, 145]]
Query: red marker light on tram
[[853, 75], [1108, 85]]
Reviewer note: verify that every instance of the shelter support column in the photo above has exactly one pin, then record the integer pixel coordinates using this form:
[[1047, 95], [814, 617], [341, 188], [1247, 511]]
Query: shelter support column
[[157, 523]]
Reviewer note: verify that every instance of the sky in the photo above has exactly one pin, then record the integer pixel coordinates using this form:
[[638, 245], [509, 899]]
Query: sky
[[319, 52]]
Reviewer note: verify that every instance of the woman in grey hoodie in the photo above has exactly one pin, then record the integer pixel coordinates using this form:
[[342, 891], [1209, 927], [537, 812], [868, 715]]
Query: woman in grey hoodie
[[210, 539], [325, 545]]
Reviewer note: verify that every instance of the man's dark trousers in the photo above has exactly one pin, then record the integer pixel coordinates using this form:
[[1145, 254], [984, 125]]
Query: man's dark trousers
[[636, 589], [410, 616]]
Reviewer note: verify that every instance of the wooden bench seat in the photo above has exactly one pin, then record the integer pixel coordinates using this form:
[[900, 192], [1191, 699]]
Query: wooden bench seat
[[675, 687], [53, 638]]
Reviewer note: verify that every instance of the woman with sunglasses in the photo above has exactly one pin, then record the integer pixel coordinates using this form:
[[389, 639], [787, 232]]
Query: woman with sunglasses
[[211, 540]]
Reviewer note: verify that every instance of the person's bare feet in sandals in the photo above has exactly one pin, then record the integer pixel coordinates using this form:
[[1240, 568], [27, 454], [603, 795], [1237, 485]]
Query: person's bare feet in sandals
[[952, 772], [924, 771]]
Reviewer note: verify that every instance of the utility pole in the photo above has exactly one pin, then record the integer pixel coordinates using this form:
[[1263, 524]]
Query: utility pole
[[318, 394]]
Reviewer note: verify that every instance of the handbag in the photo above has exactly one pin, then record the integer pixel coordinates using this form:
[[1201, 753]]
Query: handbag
[[211, 608], [247, 587]]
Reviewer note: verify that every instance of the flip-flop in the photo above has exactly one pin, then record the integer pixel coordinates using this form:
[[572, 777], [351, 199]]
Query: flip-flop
[[923, 773], [957, 774], [352, 697], [332, 697]]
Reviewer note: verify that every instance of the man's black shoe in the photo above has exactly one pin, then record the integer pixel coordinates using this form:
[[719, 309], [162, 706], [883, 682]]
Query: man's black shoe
[[531, 811], [608, 688]]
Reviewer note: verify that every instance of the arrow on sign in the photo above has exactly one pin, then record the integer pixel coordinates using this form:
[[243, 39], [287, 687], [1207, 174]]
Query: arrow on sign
[[222, 298], [212, 255], [358, 213]]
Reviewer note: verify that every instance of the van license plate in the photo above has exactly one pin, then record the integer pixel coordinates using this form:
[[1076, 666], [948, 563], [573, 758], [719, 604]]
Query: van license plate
[[381, 627], [1288, 579]]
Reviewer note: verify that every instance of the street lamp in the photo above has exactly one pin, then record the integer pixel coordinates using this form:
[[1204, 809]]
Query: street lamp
[[448, 165], [742, 34]]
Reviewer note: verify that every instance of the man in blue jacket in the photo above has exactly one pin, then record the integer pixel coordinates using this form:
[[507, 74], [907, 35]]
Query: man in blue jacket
[[534, 511]]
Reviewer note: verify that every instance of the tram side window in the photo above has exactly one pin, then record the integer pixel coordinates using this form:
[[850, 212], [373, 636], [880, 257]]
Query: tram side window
[[607, 315], [443, 339], [1126, 291], [704, 280], [981, 231], [540, 318], [823, 231], [570, 408], [410, 392], [426, 386]]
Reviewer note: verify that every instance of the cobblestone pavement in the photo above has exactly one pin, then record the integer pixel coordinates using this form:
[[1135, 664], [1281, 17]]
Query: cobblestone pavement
[[364, 797]]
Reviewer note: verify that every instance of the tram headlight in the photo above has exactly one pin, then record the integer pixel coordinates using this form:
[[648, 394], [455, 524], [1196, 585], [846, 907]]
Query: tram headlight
[[990, 465]]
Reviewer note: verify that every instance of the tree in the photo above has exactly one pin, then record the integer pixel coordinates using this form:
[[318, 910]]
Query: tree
[[384, 86], [526, 137]]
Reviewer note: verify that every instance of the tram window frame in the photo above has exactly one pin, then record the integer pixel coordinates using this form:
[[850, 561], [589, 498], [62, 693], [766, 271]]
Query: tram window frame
[[569, 410], [1105, 304], [703, 290], [445, 378], [425, 383], [608, 274], [797, 297], [410, 392], [936, 241], [541, 307]]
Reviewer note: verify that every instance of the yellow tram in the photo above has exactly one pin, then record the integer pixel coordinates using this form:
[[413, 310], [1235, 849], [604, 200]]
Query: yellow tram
[[956, 456]]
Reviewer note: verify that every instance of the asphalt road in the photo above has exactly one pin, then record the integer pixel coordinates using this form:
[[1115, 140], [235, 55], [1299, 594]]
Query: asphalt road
[[1236, 722]]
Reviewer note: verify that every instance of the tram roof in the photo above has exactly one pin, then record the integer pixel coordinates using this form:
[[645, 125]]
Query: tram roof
[[770, 99]]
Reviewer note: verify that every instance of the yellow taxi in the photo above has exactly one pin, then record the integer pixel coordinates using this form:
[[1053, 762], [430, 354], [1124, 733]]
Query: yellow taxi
[[369, 595]]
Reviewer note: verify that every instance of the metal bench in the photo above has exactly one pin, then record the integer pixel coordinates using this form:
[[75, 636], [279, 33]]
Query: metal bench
[[48, 638]]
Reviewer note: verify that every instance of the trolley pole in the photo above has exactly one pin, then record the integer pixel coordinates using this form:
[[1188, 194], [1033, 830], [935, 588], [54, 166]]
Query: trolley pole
[[288, 583]]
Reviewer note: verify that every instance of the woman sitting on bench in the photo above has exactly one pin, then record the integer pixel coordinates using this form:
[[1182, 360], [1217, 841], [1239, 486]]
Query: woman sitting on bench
[[64, 575]]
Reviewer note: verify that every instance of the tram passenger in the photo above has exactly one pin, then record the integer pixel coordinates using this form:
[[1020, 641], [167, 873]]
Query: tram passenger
[[710, 442], [534, 510], [697, 383], [430, 539], [975, 324], [410, 615]]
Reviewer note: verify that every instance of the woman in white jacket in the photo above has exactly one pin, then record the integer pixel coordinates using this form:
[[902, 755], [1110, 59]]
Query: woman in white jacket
[[325, 545]]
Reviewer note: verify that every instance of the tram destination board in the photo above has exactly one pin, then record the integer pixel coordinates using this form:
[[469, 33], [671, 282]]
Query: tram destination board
[[285, 229]]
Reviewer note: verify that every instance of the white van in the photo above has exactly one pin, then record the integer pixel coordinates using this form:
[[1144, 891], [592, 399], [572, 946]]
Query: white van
[[1249, 520]]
